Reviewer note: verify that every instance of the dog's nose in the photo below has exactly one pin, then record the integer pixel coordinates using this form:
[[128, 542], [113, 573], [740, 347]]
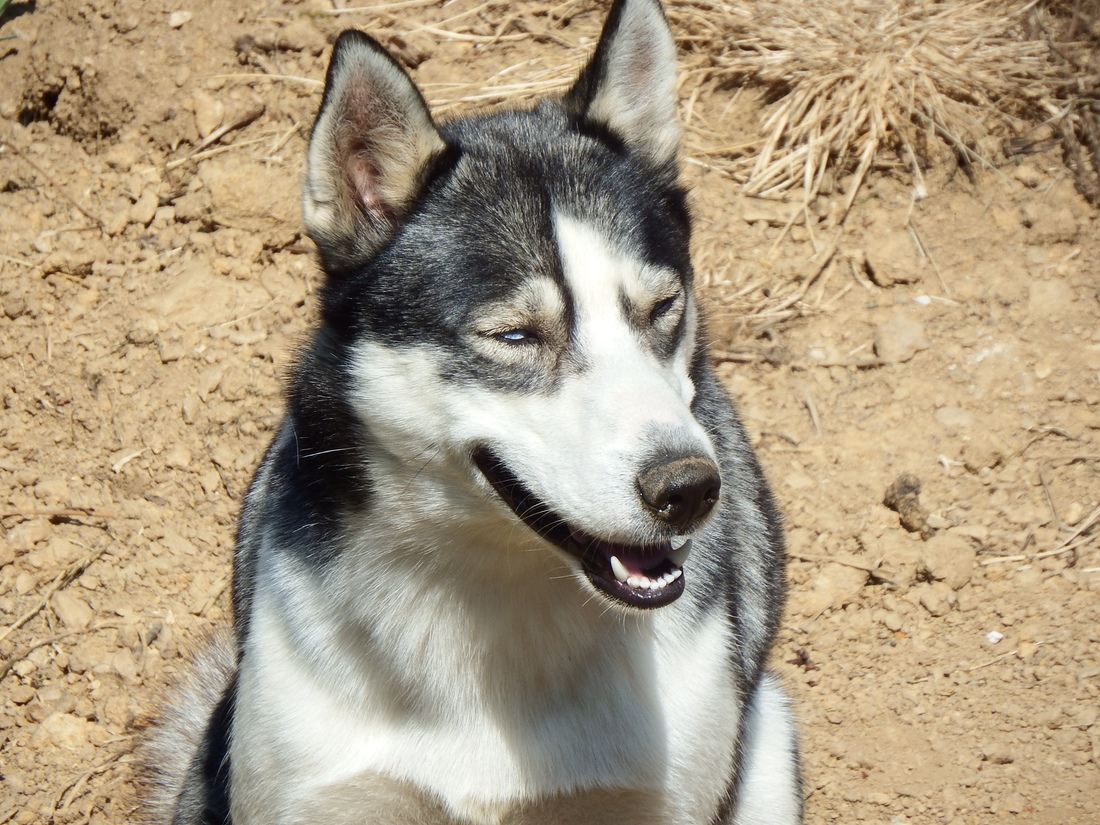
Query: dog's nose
[[680, 491]]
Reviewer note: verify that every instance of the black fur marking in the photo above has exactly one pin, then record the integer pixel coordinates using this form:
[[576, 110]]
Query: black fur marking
[[205, 796], [318, 469], [488, 214]]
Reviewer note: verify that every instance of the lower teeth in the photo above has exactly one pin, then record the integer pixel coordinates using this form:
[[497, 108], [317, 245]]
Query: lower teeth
[[646, 583]]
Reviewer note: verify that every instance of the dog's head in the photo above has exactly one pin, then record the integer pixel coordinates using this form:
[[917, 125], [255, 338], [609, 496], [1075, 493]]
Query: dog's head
[[513, 293]]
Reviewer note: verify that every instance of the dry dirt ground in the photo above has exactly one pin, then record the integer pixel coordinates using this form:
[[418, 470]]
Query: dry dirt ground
[[153, 283]]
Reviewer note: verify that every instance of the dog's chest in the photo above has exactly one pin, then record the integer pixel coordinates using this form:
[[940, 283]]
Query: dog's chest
[[498, 742]]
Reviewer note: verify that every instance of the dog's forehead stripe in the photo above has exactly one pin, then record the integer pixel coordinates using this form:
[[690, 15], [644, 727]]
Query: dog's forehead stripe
[[602, 279]]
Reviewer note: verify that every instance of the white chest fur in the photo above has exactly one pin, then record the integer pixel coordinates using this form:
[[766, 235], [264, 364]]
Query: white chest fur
[[470, 706]]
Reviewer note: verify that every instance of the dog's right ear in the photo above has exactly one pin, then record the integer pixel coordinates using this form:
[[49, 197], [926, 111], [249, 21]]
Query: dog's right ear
[[370, 151]]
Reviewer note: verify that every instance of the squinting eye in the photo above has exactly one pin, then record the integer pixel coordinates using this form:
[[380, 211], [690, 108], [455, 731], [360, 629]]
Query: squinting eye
[[518, 336], [662, 307]]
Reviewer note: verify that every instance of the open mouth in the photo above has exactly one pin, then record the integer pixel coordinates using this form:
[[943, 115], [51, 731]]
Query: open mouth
[[648, 575]]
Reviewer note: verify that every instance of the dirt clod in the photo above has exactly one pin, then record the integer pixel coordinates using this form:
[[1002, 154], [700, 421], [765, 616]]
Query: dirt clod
[[903, 497]]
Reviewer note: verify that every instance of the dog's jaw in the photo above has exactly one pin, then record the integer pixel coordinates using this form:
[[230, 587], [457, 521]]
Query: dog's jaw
[[642, 576]]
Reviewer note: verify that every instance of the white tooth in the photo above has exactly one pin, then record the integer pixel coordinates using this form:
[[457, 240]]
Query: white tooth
[[635, 581], [676, 574], [618, 569], [681, 549]]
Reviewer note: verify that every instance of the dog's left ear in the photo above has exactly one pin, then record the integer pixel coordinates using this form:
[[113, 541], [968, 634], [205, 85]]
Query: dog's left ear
[[629, 85], [370, 153]]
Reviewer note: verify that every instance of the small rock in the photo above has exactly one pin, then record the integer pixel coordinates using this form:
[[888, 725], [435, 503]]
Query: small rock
[[1028, 174], [194, 207], [892, 258], [64, 731], [209, 112], [25, 582], [834, 586], [234, 384], [190, 409], [124, 664], [890, 620], [178, 18], [997, 754], [208, 380], [123, 156], [937, 598], [983, 450], [949, 558], [1026, 650], [937, 522], [73, 611], [142, 334], [900, 556], [178, 457], [302, 36], [21, 694], [145, 208], [117, 217], [52, 489], [171, 351], [799, 480], [842, 582], [899, 338], [22, 537]]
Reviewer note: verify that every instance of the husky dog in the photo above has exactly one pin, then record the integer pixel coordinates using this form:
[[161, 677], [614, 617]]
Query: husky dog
[[510, 558]]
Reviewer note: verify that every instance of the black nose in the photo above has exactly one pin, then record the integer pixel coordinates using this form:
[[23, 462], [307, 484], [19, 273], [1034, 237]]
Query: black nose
[[680, 491]]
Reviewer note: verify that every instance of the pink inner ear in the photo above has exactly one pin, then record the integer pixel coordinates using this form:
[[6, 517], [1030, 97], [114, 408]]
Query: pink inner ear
[[363, 178]]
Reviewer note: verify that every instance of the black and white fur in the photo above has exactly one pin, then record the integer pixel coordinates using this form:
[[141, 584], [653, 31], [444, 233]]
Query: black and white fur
[[510, 558]]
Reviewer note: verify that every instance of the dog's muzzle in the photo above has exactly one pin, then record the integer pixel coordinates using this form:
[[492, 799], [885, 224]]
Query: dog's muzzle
[[677, 492]]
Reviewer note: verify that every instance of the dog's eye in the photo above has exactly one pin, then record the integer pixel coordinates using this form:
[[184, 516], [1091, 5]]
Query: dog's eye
[[517, 336], [663, 307]]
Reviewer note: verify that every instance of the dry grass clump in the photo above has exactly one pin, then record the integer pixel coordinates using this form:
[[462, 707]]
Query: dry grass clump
[[847, 79], [851, 77], [1072, 29]]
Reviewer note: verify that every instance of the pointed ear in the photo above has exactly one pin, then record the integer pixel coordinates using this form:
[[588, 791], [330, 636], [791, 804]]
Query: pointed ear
[[370, 151], [629, 86]]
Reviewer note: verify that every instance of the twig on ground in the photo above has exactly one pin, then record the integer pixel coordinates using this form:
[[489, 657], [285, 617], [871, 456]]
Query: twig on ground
[[237, 123], [27, 649], [1045, 482], [61, 512], [63, 579], [70, 791]]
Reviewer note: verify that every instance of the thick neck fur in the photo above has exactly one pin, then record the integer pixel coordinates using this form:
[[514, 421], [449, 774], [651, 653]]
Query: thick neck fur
[[449, 595]]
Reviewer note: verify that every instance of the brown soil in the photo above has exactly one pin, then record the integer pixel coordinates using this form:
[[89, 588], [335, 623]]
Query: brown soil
[[945, 660]]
